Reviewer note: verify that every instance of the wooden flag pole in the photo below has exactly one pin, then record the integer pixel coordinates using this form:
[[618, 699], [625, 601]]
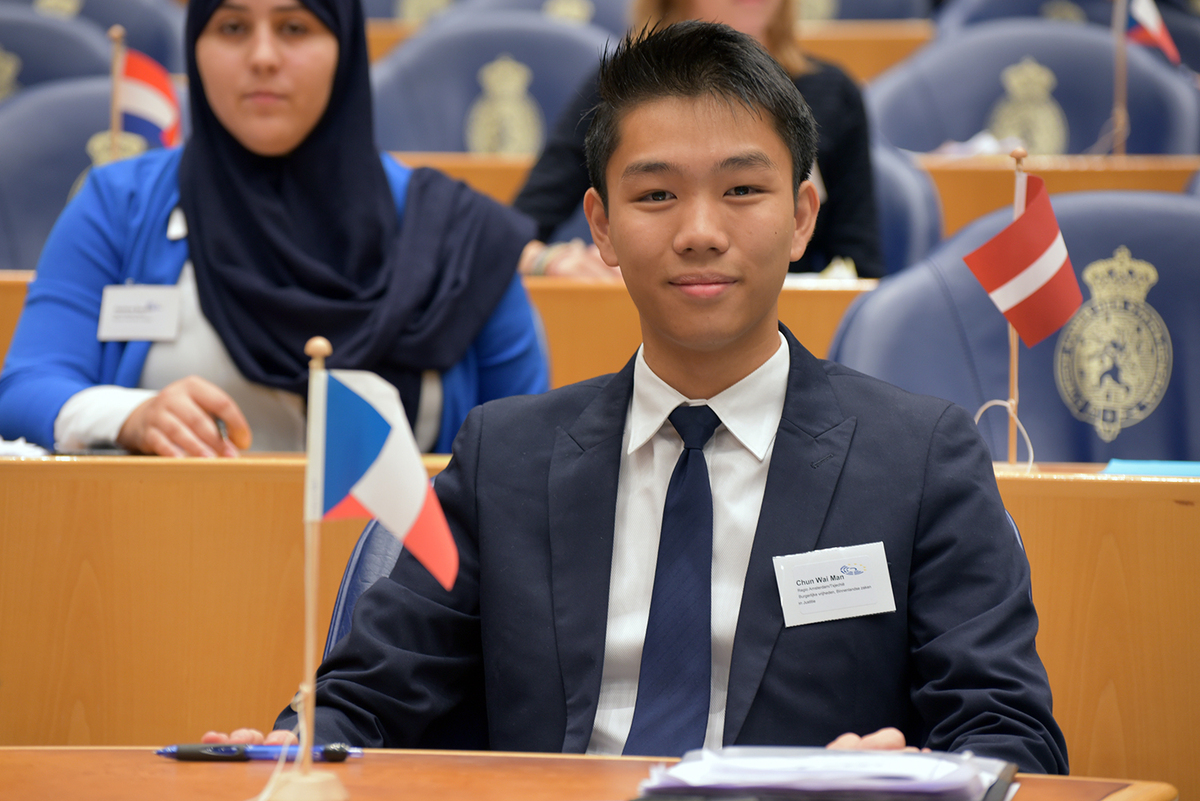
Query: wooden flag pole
[[306, 784], [117, 34], [1018, 156], [1120, 113]]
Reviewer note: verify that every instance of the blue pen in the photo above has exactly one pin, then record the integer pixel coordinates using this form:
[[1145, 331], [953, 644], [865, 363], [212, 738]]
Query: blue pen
[[230, 752]]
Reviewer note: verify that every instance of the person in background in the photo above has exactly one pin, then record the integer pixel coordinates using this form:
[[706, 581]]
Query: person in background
[[278, 220], [846, 228]]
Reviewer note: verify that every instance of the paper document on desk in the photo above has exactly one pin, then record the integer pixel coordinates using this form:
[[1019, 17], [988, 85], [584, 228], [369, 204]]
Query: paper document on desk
[[817, 773]]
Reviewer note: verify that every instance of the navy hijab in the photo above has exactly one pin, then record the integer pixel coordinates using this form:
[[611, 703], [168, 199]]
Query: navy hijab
[[286, 248]]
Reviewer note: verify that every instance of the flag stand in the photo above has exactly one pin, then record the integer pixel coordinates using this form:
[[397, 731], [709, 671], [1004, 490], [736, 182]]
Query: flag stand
[[1120, 113], [1018, 156], [117, 34], [304, 783]]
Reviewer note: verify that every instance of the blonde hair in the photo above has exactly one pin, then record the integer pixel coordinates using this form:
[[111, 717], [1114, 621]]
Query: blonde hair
[[780, 35]]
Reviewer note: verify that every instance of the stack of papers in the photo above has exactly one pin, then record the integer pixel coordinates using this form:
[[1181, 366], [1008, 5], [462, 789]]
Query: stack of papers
[[817, 774]]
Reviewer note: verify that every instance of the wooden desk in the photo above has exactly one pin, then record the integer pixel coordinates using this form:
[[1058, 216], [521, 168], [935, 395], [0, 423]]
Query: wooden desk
[[972, 187], [147, 600], [12, 300], [863, 48], [592, 326], [498, 177], [129, 774], [1115, 562]]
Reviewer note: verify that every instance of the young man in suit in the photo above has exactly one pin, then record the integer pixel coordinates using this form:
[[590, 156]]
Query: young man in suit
[[583, 619]]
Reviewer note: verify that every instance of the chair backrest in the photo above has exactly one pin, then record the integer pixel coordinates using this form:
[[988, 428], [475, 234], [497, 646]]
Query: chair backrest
[[373, 557], [952, 88], [609, 15], [155, 27], [485, 82], [932, 329], [957, 14], [862, 9], [43, 152], [34, 49], [908, 206]]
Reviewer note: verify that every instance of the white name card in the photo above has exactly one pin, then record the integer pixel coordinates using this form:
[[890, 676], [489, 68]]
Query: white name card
[[834, 583], [139, 312]]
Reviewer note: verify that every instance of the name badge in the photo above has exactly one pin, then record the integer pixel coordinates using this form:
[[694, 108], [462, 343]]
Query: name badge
[[138, 312], [833, 584]]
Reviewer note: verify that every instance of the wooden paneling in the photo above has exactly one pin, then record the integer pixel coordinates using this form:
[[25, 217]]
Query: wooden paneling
[[865, 48], [972, 187], [1114, 562], [592, 326], [12, 299], [146, 600], [498, 177]]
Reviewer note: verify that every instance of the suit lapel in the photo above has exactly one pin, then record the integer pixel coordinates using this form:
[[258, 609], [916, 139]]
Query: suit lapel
[[806, 462], [582, 516]]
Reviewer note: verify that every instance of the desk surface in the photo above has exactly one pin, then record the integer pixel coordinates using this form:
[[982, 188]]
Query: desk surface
[[130, 774]]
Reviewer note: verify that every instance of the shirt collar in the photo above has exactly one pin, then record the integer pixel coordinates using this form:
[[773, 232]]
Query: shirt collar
[[750, 409]]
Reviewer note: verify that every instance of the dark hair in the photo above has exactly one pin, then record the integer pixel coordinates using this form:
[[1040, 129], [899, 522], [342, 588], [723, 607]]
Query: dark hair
[[693, 59]]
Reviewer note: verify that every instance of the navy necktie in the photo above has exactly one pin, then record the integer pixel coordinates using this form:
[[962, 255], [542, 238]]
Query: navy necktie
[[671, 713]]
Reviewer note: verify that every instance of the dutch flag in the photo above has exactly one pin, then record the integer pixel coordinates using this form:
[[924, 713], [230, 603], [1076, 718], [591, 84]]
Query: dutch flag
[[1146, 28], [147, 101], [363, 462]]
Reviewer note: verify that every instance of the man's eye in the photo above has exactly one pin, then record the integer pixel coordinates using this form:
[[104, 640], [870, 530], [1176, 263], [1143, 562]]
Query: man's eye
[[658, 196], [741, 191]]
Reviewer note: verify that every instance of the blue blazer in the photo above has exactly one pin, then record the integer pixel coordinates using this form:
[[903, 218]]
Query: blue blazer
[[511, 658]]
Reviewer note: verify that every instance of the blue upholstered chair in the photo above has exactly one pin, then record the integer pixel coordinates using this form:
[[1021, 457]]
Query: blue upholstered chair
[[932, 329], [46, 145], [34, 49], [373, 557], [155, 27], [948, 90], [485, 82], [866, 9], [609, 15], [909, 210]]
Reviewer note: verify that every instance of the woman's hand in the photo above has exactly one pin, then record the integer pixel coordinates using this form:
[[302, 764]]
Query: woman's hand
[[181, 421], [250, 737]]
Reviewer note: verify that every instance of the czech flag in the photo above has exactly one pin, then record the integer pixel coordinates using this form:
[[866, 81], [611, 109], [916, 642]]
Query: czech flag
[[363, 462], [147, 100], [1026, 270], [1146, 28]]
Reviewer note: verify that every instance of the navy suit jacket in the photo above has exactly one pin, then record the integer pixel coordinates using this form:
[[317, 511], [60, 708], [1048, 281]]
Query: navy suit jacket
[[511, 658]]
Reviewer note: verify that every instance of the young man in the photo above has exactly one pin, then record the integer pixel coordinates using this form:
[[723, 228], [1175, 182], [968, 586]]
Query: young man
[[583, 618]]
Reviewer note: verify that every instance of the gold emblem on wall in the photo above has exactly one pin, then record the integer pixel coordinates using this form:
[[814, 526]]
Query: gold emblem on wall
[[505, 119], [816, 9], [577, 12], [100, 151], [10, 68], [1113, 359], [67, 9], [417, 11], [1062, 9], [1028, 111]]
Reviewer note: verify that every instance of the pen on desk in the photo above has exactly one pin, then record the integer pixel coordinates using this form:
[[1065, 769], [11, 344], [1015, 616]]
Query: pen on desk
[[236, 752]]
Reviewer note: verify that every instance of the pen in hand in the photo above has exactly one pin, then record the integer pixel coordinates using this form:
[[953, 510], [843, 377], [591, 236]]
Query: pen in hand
[[231, 752]]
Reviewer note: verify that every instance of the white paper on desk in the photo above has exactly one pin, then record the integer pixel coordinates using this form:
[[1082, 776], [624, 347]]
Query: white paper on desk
[[800, 771]]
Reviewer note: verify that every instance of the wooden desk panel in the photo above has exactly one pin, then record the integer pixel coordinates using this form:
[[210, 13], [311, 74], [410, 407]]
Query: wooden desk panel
[[385, 34], [592, 326], [972, 187], [147, 600], [12, 300], [136, 774], [1114, 562], [498, 177]]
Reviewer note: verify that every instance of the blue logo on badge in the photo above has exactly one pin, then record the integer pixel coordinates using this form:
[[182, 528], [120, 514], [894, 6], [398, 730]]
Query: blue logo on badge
[[852, 570]]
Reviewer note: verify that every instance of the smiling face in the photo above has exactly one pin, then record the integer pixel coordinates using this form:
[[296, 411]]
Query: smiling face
[[703, 223], [267, 67]]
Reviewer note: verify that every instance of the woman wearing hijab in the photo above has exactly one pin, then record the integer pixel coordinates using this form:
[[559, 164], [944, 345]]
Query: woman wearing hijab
[[277, 221], [846, 226]]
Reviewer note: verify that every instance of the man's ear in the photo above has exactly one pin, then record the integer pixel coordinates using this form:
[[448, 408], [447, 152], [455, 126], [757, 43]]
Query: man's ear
[[597, 217], [807, 205]]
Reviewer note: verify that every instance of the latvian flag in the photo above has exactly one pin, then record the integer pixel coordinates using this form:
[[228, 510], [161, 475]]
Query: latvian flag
[[1026, 271], [147, 100], [1146, 27], [363, 462]]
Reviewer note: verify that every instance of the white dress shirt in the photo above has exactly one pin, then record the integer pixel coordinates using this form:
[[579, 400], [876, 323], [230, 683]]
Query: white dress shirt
[[738, 457]]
